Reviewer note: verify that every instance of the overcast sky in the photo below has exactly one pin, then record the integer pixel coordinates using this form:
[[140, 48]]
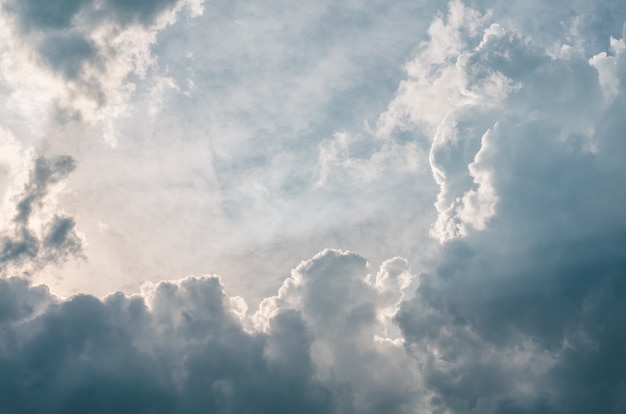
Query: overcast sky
[[376, 206]]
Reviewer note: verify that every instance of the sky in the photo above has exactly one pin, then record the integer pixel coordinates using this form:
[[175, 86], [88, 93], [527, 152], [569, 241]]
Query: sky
[[374, 206]]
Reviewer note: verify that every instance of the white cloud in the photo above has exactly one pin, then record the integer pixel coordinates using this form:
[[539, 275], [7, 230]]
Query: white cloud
[[81, 56], [349, 314], [607, 66]]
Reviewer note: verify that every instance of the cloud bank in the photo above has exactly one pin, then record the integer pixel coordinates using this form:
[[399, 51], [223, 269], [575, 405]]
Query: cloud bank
[[182, 346]]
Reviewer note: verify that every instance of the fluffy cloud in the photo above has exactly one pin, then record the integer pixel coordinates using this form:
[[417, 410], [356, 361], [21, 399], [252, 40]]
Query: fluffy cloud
[[520, 310], [181, 346], [473, 77], [354, 344]]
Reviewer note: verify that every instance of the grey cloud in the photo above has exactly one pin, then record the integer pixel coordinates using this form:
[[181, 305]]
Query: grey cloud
[[18, 246], [22, 246], [45, 172], [181, 348], [66, 53], [344, 308], [63, 14], [61, 236], [523, 315], [144, 12], [76, 360], [542, 320], [55, 14], [19, 300], [78, 41], [184, 353]]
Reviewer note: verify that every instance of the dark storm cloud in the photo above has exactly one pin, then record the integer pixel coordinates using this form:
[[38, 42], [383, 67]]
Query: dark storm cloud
[[57, 240]]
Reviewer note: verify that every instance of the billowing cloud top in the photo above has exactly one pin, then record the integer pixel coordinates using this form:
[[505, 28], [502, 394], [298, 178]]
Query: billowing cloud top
[[493, 164]]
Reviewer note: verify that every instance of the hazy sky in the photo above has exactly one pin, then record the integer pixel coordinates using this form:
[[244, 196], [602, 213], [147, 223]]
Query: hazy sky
[[335, 207]]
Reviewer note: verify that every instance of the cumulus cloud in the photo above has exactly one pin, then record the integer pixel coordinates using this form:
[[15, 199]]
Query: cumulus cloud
[[448, 83], [354, 344], [519, 309], [473, 76], [180, 346], [519, 312]]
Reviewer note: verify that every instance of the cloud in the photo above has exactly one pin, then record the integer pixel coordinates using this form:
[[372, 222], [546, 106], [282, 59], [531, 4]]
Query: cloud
[[38, 234], [348, 313], [519, 308], [471, 77], [83, 54], [519, 312], [181, 347]]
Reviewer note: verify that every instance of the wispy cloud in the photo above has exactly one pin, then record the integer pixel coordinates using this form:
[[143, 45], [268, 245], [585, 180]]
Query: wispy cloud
[[82, 55]]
